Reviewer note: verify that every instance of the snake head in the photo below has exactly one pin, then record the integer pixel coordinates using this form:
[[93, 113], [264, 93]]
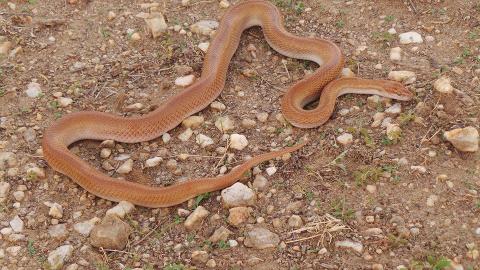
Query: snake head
[[396, 90]]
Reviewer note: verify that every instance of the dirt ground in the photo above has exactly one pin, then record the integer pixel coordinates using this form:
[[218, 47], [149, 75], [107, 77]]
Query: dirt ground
[[418, 190]]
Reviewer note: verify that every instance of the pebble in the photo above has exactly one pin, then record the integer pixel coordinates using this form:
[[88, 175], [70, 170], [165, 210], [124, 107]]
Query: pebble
[[33, 90], [216, 105], [56, 210], [347, 73], [13, 251], [58, 231], [261, 238], [356, 246], [260, 182], [199, 256], [404, 76], [211, 263], [394, 132], [224, 4], [345, 138], [4, 190], [392, 31], [463, 139], [166, 137], [185, 80], [112, 233], [204, 27], [262, 117], [153, 162], [126, 167], [5, 47], [120, 210], [271, 170], [203, 140], [295, 221], [238, 195], [420, 169], [16, 224], [19, 195], [394, 109], [238, 142], [371, 188], [224, 124], [431, 200], [396, 54], [135, 106], [238, 215], [220, 234], [111, 15], [204, 46], [64, 101], [196, 217], [59, 256], [232, 243], [373, 232], [185, 136], [410, 37], [105, 152], [156, 24], [443, 85], [377, 119], [84, 228]]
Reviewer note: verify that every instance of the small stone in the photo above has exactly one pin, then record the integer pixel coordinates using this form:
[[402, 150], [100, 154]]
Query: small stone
[[135, 36], [463, 139], [77, 66], [238, 195], [58, 231], [347, 73], [396, 54], [345, 139], [196, 217], [84, 228], [373, 101], [112, 233], [126, 167], [371, 188], [166, 137], [238, 142], [356, 246], [431, 200], [135, 106], [260, 182], [394, 109], [377, 266], [153, 162], [204, 27], [204, 140], [193, 121], [56, 211], [394, 132], [204, 46], [224, 4], [238, 215], [111, 15], [373, 232], [295, 221], [171, 164], [261, 238], [216, 105], [271, 170], [410, 37], [105, 152], [429, 39], [232, 243], [211, 263], [294, 207], [4, 189], [64, 101], [404, 76], [443, 85], [17, 224], [19, 195], [199, 256], [33, 90], [420, 169], [262, 117], [248, 123], [224, 124], [72, 266], [5, 47], [59, 256], [185, 136], [122, 209], [156, 24], [185, 80], [392, 31], [220, 234]]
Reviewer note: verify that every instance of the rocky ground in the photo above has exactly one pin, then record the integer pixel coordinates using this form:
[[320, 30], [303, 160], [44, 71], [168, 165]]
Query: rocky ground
[[382, 185]]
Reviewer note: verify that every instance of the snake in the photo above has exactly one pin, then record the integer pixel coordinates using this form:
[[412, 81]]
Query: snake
[[323, 85]]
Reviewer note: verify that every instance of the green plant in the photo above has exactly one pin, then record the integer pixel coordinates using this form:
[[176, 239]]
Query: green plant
[[405, 118], [101, 266], [2, 92], [366, 175], [341, 211], [340, 24], [438, 263], [309, 195], [223, 245], [178, 219], [389, 18], [383, 36], [367, 139], [31, 249], [174, 266], [200, 198], [299, 7]]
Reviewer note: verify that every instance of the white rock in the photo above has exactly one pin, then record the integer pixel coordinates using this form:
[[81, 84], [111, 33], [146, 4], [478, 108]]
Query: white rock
[[238, 195], [4, 189], [152, 162], [216, 105], [5, 47], [156, 24], [126, 167], [377, 119], [185, 136], [111, 15], [429, 39], [13, 251], [64, 101], [262, 117], [410, 37], [232, 243], [166, 137], [260, 182], [56, 211], [204, 46], [394, 132], [394, 109], [105, 152], [238, 142], [396, 54], [134, 107], [261, 238], [33, 90], [443, 85], [203, 140], [19, 195], [17, 224], [356, 246], [185, 80], [59, 256], [121, 209], [58, 231], [84, 228], [371, 188], [204, 27], [420, 169], [404, 76], [463, 139], [224, 124], [196, 217], [193, 121], [224, 4], [271, 170], [347, 73], [431, 200], [392, 31], [345, 138]]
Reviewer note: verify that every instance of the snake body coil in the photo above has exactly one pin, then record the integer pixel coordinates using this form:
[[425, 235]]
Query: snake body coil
[[101, 126]]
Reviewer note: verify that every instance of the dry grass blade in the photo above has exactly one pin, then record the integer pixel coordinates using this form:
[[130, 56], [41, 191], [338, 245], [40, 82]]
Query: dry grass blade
[[324, 227]]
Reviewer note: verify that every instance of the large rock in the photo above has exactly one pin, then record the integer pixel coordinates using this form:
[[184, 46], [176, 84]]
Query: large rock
[[238, 195], [221, 233], [112, 233], [57, 258], [261, 238], [84, 228], [238, 215], [121, 209], [464, 139]]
